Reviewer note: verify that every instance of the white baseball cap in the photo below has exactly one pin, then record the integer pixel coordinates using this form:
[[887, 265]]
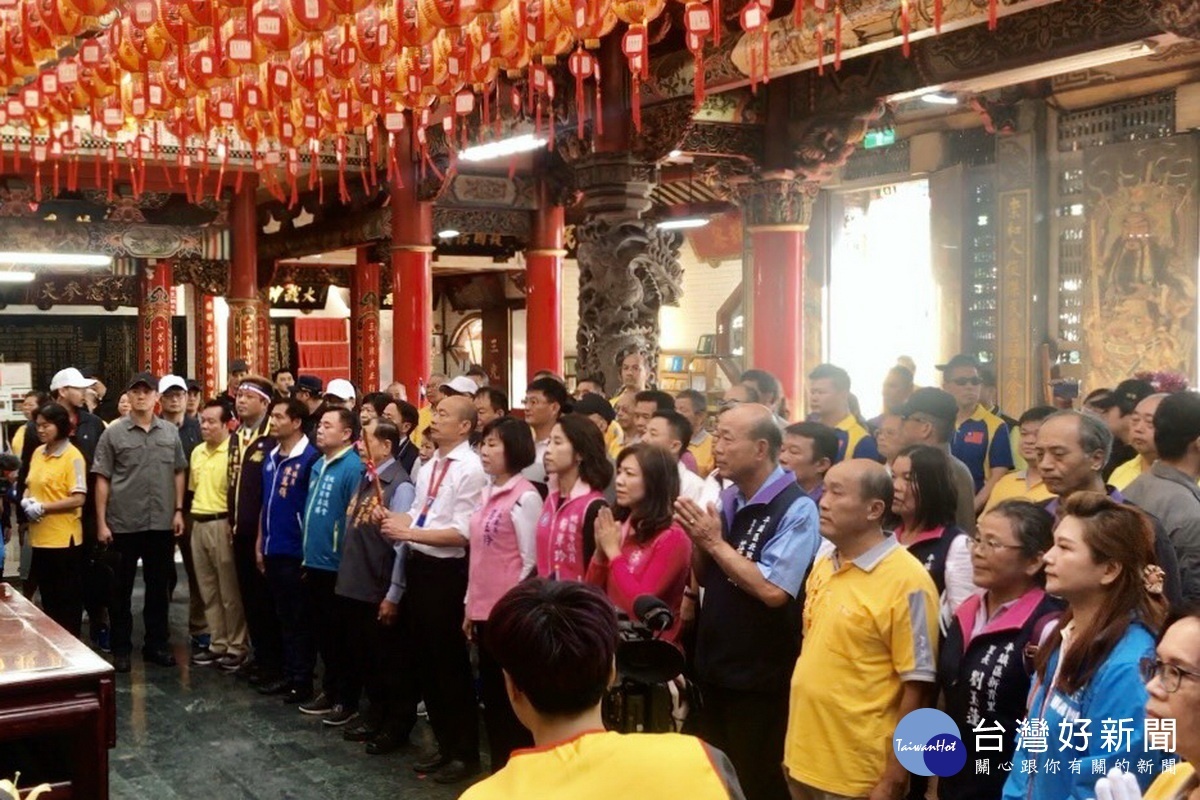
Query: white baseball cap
[[168, 382], [462, 384], [70, 378], [340, 387]]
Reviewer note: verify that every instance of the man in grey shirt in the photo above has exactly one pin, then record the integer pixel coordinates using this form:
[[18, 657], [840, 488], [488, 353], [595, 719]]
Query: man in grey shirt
[[929, 418], [1169, 490], [139, 468]]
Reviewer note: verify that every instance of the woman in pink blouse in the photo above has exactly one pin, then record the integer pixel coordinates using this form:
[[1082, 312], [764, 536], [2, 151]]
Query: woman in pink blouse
[[645, 552]]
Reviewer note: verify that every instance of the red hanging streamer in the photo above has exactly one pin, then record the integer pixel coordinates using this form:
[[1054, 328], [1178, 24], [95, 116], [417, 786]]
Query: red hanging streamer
[[993, 13], [819, 36], [637, 102], [766, 53], [905, 26], [717, 24], [837, 37], [798, 18], [599, 114], [937, 15]]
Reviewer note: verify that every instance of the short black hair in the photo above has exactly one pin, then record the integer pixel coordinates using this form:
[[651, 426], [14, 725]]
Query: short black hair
[[554, 391], [517, 438], [937, 496], [376, 400], [226, 414], [42, 397], [594, 467], [662, 401], [294, 408], [596, 378], [1176, 424], [839, 376], [385, 431], [346, 417], [764, 382], [57, 416], [1036, 414], [497, 399], [408, 412], [275, 375], [476, 369], [681, 429], [557, 641], [696, 398], [823, 437]]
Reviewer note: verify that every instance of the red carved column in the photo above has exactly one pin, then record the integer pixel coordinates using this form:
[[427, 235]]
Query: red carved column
[[412, 273], [205, 337], [777, 209], [364, 323], [249, 326], [543, 286], [154, 319]]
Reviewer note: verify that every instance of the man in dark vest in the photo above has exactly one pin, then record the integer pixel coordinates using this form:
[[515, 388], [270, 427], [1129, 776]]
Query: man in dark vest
[[248, 449], [752, 555], [369, 589]]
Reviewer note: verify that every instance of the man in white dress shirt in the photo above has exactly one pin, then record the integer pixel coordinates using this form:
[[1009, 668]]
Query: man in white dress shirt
[[437, 529], [671, 431]]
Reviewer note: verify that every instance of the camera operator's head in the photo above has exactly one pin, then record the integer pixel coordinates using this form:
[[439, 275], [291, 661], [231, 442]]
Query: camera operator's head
[[557, 644]]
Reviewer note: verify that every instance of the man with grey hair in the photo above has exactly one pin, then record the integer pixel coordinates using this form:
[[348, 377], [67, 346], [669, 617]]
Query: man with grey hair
[[1072, 448], [751, 555]]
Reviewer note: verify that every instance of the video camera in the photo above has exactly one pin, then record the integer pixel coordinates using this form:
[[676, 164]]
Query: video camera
[[640, 700]]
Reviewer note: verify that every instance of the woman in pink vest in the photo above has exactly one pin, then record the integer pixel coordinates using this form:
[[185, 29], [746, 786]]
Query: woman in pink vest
[[578, 471], [503, 552], [646, 552]]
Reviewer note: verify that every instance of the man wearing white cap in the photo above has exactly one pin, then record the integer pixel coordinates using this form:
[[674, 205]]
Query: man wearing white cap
[[67, 388], [173, 397], [340, 392]]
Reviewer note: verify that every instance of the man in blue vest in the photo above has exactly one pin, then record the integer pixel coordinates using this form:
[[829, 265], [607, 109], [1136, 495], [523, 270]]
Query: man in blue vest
[[752, 555]]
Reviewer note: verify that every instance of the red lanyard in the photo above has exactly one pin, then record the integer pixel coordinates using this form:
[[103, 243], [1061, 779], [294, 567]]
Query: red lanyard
[[434, 487]]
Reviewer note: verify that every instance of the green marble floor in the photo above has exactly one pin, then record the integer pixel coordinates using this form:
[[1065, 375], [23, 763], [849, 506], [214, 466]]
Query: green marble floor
[[194, 732]]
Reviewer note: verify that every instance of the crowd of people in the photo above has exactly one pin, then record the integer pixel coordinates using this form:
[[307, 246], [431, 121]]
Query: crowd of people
[[825, 578]]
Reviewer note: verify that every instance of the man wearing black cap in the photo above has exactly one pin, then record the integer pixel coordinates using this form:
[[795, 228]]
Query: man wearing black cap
[[1115, 407], [981, 439], [238, 369], [597, 409], [928, 418], [309, 390], [139, 470]]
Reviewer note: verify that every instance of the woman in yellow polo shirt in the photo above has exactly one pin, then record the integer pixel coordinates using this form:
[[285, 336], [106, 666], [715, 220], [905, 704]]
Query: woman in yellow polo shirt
[[54, 496]]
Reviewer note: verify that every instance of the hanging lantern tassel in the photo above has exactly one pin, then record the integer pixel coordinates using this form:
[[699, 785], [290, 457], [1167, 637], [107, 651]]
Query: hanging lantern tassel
[[314, 155], [698, 20], [904, 28], [73, 174], [223, 152], [716, 20], [293, 172], [636, 46], [343, 191], [373, 138], [937, 15], [580, 65], [819, 37], [112, 168], [754, 18], [798, 15], [550, 120], [599, 114], [837, 37], [993, 9]]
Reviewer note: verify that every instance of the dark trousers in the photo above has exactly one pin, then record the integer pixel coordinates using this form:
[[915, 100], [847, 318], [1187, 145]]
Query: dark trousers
[[378, 665], [436, 588], [59, 574], [505, 732], [197, 624], [750, 728], [284, 576], [155, 549], [259, 606], [322, 608]]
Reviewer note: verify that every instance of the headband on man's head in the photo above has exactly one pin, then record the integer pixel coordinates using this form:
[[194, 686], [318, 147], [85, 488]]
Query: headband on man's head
[[246, 386]]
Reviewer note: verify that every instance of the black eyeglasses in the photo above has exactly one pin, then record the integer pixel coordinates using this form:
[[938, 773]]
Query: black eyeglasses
[[1169, 675], [967, 381]]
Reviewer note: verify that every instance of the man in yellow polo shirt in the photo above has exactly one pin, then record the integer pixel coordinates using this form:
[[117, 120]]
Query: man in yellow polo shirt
[[568, 631], [870, 647], [829, 404], [212, 542], [1141, 436]]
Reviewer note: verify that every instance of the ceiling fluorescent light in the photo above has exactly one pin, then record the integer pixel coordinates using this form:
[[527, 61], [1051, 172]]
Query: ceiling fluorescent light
[[449, 233], [16, 277], [940, 99], [505, 147], [55, 259], [682, 223]]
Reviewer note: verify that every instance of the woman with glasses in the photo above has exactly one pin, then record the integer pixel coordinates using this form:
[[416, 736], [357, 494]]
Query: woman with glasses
[[983, 689], [1102, 564], [642, 550], [55, 492], [1173, 681], [578, 472], [925, 500]]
